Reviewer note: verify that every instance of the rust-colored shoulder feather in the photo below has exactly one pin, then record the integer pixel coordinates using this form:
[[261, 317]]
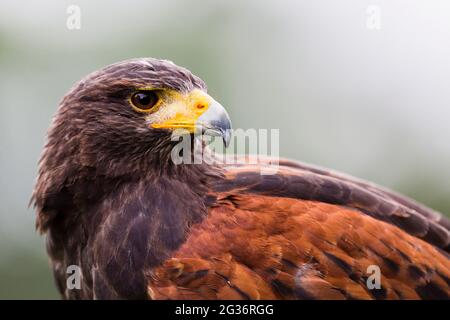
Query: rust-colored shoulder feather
[[302, 234]]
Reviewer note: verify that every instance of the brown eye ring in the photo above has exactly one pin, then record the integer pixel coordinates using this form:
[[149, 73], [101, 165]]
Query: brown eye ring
[[144, 101]]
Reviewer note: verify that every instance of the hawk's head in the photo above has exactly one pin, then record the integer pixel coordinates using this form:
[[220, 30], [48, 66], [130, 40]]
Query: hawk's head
[[118, 118], [117, 123]]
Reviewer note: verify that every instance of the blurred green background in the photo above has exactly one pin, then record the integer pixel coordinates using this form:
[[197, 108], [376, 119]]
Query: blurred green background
[[374, 103]]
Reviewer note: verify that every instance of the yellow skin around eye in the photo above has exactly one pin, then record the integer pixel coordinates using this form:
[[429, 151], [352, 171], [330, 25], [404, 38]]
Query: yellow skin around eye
[[175, 110]]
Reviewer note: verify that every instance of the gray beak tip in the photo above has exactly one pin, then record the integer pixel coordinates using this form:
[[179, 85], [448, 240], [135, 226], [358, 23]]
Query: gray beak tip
[[226, 137]]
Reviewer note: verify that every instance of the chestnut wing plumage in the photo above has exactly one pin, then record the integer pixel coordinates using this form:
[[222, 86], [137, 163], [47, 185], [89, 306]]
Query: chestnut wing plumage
[[305, 233]]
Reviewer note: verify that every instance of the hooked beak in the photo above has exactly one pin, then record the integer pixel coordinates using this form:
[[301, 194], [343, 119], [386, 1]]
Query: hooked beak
[[215, 122], [196, 112]]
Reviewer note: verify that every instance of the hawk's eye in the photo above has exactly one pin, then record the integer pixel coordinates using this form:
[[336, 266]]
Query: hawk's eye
[[144, 100]]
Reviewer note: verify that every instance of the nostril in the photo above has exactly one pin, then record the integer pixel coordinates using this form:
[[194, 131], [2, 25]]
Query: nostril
[[200, 106]]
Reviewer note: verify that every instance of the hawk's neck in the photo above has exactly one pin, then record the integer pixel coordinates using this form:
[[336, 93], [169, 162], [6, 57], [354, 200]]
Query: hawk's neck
[[116, 231]]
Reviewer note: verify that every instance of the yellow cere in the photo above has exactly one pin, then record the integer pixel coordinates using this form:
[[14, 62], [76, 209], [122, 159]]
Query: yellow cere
[[178, 110]]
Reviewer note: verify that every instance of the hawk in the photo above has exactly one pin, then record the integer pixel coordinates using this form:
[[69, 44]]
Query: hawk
[[111, 201]]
